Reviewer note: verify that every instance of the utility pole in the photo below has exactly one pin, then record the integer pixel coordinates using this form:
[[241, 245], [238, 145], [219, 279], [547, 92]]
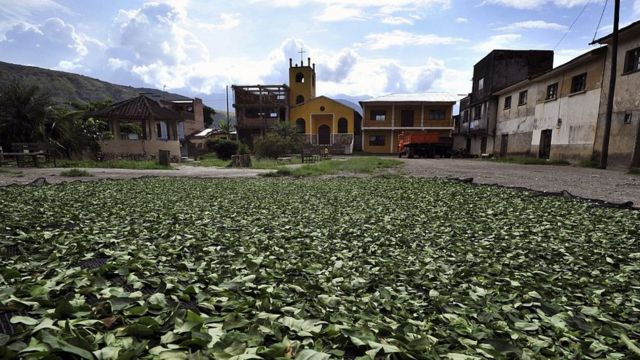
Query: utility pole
[[612, 86]]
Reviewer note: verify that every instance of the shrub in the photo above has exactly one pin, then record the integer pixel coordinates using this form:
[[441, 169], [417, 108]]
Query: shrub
[[75, 173], [273, 145], [243, 149], [224, 149]]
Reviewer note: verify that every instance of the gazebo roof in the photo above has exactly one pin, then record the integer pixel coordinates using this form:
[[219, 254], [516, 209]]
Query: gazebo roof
[[137, 108]]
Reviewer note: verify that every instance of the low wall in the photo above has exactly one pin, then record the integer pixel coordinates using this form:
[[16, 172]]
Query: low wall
[[139, 149]]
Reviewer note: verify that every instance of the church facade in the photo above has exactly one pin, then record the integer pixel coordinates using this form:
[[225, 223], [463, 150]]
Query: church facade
[[322, 121]]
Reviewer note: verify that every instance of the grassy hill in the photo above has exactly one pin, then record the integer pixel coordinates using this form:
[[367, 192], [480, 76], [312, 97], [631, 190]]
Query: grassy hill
[[67, 87]]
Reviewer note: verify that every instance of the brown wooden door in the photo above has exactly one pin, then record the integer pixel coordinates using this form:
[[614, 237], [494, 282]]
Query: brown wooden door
[[545, 144], [504, 145], [324, 135]]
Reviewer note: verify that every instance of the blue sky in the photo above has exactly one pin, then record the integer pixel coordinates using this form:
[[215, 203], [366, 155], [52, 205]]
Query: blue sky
[[361, 47]]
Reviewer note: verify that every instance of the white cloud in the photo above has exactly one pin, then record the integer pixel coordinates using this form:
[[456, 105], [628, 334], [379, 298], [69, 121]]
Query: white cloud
[[226, 21], [154, 41], [504, 41], [13, 9], [53, 43], [336, 13], [533, 25], [379, 41], [462, 20], [339, 69], [397, 20]]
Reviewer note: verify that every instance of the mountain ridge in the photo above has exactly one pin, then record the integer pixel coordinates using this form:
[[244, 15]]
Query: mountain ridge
[[66, 87]]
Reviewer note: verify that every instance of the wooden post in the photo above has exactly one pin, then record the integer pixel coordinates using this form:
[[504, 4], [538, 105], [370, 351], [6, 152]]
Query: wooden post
[[612, 87]]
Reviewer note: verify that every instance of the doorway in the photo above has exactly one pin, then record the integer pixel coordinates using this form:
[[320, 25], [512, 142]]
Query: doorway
[[324, 135], [406, 118], [504, 144], [483, 145], [545, 144]]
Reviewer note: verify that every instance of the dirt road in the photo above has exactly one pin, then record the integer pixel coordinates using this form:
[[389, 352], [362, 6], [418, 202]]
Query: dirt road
[[609, 185]]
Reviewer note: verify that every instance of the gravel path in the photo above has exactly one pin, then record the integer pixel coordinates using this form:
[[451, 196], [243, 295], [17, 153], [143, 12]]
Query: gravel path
[[26, 175], [608, 185]]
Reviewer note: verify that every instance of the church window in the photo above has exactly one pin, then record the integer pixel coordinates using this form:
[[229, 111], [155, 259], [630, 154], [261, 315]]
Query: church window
[[300, 78], [299, 99], [322, 108]]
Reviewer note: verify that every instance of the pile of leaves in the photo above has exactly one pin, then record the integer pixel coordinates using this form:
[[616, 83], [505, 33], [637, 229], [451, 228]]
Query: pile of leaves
[[374, 268]]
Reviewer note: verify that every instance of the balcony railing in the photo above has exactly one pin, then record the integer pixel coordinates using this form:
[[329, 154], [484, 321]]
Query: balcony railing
[[416, 124]]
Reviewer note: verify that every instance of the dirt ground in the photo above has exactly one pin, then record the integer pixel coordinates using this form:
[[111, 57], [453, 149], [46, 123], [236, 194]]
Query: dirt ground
[[26, 175], [614, 186], [609, 185]]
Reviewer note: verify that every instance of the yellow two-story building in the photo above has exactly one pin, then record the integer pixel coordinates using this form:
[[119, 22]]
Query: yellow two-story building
[[387, 117]]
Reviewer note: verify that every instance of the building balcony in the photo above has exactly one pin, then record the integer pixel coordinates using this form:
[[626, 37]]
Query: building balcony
[[417, 125], [257, 123]]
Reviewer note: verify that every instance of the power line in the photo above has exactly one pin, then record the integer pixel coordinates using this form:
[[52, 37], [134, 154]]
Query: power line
[[600, 21], [572, 25]]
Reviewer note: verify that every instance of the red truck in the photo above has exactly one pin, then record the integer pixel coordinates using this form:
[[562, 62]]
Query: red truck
[[427, 144]]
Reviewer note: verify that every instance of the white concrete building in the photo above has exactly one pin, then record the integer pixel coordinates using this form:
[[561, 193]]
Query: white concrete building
[[554, 115]]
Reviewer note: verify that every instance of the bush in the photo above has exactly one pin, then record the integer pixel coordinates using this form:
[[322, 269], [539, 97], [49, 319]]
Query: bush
[[274, 145], [75, 173], [224, 149], [243, 149]]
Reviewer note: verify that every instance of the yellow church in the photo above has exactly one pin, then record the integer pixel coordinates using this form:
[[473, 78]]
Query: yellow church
[[325, 122]]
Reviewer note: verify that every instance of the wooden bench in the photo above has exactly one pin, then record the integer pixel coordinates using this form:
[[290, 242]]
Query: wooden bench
[[309, 154], [32, 151]]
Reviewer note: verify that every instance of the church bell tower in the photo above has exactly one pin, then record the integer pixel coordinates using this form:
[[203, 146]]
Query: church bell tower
[[302, 81]]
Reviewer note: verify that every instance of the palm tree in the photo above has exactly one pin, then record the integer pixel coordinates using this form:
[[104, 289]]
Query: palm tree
[[24, 110]]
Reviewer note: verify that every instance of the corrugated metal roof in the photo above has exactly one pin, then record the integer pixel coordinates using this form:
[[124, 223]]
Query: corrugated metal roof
[[415, 97]]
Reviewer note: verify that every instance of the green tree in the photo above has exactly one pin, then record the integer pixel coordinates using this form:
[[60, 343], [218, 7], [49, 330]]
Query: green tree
[[208, 116], [73, 132], [24, 110], [286, 130]]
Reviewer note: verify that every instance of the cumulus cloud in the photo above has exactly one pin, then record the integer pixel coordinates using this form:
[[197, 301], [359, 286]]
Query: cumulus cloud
[[152, 43], [339, 69], [379, 41], [395, 79], [53, 43], [533, 25], [462, 20]]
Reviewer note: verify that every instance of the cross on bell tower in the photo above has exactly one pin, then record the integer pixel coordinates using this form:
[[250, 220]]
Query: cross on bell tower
[[302, 80], [301, 52]]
